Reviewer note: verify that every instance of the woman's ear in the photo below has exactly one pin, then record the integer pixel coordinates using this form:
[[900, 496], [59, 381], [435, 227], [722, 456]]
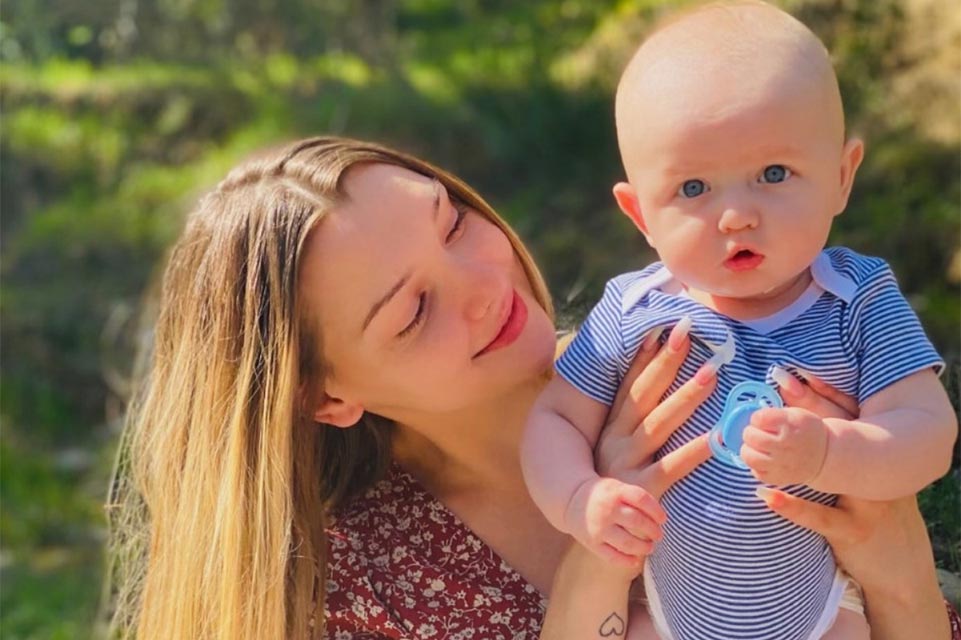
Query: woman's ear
[[337, 412], [626, 199]]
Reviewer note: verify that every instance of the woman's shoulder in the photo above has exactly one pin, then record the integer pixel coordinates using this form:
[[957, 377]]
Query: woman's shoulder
[[399, 560], [378, 504], [396, 520]]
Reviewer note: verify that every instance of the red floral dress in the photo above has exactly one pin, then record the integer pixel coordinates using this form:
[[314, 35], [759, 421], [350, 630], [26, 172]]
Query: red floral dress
[[401, 565], [955, 623]]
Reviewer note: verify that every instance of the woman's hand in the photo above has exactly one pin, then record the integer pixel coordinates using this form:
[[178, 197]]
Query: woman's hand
[[639, 421], [638, 425], [882, 545]]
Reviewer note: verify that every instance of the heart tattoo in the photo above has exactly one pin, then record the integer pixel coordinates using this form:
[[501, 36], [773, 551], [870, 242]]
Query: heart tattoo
[[613, 625]]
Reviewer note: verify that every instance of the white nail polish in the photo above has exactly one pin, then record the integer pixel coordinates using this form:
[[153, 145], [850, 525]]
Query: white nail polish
[[652, 337], [679, 333], [785, 380], [780, 376]]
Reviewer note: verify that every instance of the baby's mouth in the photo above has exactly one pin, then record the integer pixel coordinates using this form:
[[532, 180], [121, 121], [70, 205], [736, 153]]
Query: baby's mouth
[[744, 260]]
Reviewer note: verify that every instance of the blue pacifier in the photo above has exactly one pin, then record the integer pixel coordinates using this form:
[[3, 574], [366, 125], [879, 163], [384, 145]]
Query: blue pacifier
[[727, 436]]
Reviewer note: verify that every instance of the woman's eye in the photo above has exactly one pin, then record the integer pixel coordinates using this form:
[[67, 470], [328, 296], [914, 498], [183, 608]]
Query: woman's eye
[[418, 317], [692, 188], [775, 173], [460, 211]]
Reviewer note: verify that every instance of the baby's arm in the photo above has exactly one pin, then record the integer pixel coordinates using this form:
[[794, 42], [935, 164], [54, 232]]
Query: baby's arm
[[901, 443], [616, 520]]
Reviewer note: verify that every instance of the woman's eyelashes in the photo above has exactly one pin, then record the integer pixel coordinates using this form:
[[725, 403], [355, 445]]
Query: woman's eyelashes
[[460, 212], [456, 228], [417, 319]]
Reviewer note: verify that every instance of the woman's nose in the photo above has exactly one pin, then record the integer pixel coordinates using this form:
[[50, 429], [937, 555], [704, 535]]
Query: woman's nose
[[483, 290], [478, 308]]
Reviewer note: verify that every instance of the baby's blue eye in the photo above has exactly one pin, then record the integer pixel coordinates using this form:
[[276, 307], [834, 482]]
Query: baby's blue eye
[[692, 188], [775, 173]]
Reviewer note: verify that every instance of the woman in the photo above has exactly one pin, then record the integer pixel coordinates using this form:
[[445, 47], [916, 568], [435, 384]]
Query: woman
[[336, 313]]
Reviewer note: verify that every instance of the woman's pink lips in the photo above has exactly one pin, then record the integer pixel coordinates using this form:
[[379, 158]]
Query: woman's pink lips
[[744, 261], [512, 326]]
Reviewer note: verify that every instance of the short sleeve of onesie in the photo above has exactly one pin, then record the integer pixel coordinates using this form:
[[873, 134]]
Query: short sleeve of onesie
[[886, 335], [593, 362]]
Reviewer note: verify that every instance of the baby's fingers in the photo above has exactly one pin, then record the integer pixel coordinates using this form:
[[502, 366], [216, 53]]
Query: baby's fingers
[[636, 498], [758, 439], [620, 559], [628, 544], [639, 524], [760, 463]]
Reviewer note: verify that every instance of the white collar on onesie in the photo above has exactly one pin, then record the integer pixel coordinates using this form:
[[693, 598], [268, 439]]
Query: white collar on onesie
[[824, 277]]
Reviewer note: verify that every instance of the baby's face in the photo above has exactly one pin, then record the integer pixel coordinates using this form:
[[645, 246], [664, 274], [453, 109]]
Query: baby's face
[[736, 188]]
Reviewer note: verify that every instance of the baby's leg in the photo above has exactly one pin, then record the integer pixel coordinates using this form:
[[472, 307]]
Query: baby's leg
[[849, 625]]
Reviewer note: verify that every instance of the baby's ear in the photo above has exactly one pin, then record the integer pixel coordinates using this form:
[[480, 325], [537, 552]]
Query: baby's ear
[[851, 156], [627, 200]]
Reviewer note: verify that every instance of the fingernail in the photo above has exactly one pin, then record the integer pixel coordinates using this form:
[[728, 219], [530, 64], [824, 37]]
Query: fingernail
[[651, 340], [786, 381], [706, 373], [679, 333]]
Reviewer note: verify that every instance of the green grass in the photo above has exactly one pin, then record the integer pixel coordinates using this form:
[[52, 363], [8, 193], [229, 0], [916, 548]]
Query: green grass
[[50, 594]]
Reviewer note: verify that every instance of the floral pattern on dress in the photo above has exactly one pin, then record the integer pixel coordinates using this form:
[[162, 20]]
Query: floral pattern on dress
[[401, 565], [955, 620]]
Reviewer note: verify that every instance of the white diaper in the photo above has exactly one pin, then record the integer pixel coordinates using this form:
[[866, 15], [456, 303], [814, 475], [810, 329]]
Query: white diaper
[[845, 594]]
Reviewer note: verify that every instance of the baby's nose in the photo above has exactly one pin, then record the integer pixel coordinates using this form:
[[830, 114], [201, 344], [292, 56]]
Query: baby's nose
[[738, 216]]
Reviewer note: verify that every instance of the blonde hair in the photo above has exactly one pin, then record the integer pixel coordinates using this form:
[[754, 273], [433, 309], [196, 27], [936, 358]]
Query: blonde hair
[[220, 498]]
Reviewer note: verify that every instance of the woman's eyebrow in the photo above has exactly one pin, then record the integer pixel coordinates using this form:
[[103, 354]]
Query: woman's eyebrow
[[384, 300], [437, 189], [400, 283]]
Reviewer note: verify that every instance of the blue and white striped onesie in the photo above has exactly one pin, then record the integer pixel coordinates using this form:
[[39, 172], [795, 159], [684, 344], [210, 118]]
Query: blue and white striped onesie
[[728, 567]]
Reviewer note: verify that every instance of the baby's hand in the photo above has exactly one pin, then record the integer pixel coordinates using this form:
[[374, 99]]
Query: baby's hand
[[785, 446], [618, 521]]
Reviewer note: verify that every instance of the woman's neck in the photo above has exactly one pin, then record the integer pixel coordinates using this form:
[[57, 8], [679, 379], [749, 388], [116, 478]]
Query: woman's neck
[[477, 449]]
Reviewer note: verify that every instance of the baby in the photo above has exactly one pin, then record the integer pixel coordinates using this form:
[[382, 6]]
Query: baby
[[731, 131]]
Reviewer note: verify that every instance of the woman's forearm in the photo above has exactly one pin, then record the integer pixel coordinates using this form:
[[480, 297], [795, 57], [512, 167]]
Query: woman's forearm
[[907, 604], [921, 614], [904, 601], [589, 599]]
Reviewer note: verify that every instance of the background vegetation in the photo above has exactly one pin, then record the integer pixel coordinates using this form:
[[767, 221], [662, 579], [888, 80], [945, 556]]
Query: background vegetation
[[118, 113]]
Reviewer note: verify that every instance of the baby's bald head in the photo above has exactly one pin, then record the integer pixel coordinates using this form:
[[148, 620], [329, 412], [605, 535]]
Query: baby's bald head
[[710, 62]]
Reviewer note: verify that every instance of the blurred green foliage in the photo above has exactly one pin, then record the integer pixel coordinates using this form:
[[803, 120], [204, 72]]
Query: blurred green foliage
[[118, 113]]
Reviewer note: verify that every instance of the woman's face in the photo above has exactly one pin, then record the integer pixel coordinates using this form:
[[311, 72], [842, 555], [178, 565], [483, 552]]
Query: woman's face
[[423, 308]]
